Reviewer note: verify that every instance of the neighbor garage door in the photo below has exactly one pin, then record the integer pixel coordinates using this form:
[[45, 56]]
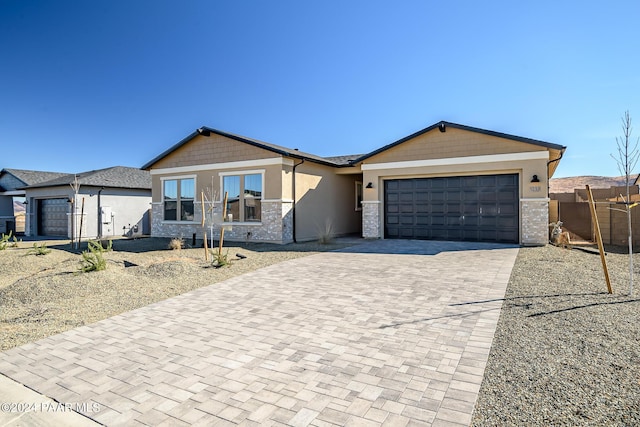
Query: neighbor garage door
[[472, 208], [52, 217]]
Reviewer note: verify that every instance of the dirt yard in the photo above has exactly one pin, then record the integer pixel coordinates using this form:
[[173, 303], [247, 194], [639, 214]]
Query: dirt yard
[[44, 295]]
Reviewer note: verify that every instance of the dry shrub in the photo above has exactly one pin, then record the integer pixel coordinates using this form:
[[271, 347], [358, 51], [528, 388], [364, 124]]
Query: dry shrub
[[176, 244], [326, 233]]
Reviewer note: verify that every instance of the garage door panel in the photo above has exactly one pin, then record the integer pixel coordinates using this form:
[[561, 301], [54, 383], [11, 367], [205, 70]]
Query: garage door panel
[[454, 196], [421, 196], [507, 180], [470, 208], [507, 209], [508, 222], [471, 220], [406, 197], [405, 185], [476, 208], [453, 183], [504, 236], [487, 196], [506, 195], [438, 196], [406, 219], [438, 220], [392, 185], [454, 220]]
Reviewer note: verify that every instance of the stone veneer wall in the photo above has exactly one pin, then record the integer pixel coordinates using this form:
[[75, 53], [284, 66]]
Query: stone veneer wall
[[371, 220], [276, 225], [535, 222]]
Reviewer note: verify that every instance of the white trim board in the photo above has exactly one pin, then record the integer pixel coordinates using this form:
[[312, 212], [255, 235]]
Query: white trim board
[[492, 158], [226, 165]]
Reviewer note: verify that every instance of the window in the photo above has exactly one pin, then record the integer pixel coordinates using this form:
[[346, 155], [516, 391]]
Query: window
[[244, 197], [358, 196], [179, 195]]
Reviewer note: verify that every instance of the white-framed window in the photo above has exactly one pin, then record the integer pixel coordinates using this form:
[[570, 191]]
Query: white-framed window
[[178, 197], [358, 196], [244, 195]]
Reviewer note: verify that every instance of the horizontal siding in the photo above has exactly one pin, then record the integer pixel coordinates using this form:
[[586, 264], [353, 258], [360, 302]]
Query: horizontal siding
[[452, 143], [203, 150]]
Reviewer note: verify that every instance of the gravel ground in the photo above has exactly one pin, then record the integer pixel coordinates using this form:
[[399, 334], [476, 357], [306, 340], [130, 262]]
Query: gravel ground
[[565, 351], [45, 295]]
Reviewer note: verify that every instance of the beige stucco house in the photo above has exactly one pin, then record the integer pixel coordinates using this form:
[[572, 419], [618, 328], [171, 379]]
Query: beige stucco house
[[445, 182]]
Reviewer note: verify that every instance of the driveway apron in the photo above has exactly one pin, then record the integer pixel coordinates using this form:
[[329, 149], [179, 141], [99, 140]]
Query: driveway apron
[[382, 333]]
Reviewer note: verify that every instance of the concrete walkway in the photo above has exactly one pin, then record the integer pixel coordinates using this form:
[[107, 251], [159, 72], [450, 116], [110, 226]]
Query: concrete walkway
[[384, 333]]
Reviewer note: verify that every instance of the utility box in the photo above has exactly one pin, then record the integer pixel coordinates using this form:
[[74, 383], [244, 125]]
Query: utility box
[[106, 214]]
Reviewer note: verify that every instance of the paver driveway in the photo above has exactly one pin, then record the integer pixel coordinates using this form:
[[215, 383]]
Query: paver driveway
[[383, 333]]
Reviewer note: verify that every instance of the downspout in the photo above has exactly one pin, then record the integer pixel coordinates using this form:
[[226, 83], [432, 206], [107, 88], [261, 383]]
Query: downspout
[[99, 215], [293, 209]]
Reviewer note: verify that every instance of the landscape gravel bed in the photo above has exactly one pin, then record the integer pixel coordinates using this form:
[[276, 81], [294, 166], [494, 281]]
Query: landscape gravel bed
[[565, 351], [45, 295]]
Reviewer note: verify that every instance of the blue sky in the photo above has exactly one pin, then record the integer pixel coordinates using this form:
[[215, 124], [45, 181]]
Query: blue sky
[[87, 85]]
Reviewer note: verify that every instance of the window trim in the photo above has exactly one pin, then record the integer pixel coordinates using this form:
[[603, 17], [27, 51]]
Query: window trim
[[359, 193], [260, 172], [195, 198]]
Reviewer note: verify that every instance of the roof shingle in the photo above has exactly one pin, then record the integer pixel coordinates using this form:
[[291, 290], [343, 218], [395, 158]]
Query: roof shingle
[[113, 177]]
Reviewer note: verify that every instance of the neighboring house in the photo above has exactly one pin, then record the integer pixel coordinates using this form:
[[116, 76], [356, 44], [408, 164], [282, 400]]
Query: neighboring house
[[110, 202], [445, 182], [12, 183]]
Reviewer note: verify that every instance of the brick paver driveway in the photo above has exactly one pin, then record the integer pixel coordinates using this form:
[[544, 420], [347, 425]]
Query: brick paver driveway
[[384, 333]]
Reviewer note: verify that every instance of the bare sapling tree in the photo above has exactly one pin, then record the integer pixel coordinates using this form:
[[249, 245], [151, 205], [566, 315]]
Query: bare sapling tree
[[627, 159]]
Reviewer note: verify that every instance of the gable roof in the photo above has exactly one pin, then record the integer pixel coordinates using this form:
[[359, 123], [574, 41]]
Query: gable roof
[[339, 161], [443, 125], [113, 177], [29, 177], [350, 160]]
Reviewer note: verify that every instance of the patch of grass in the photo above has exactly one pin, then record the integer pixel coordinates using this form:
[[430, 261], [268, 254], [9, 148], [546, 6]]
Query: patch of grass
[[39, 250]]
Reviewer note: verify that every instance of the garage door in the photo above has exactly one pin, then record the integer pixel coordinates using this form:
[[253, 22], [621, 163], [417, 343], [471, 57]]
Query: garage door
[[471, 208], [52, 217]]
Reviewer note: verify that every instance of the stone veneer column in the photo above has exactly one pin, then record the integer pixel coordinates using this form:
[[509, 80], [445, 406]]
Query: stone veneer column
[[371, 219], [535, 221]]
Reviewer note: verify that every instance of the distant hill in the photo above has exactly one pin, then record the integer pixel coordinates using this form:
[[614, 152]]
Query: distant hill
[[18, 207], [567, 185]]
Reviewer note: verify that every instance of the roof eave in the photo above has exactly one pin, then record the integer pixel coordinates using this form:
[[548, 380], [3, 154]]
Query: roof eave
[[446, 124], [206, 129]]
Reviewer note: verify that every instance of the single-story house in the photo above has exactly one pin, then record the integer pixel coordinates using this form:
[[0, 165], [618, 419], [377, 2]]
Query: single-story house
[[12, 184], [444, 182], [108, 202]]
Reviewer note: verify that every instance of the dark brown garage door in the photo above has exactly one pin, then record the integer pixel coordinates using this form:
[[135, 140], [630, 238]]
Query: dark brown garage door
[[52, 217], [472, 208]]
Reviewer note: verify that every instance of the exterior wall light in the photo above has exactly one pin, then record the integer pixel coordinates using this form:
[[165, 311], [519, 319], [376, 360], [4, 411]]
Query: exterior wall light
[[535, 178], [369, 185]]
